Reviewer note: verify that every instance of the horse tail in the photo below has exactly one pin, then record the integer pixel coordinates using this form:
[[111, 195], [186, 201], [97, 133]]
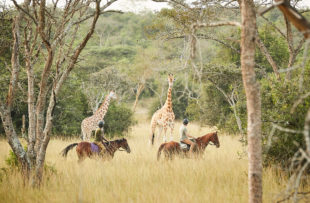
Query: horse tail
[[65, 151], [159, 150]]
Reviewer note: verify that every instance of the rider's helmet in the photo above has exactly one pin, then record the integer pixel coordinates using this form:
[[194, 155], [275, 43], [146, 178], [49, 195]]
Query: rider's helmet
[[100, 124], [185, 121]]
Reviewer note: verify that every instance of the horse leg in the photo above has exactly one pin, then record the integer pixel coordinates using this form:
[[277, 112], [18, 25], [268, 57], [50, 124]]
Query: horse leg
[[81, 159], [81, 156]]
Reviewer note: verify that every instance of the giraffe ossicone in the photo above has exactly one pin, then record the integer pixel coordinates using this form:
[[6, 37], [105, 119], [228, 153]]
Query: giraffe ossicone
[[90, 124]]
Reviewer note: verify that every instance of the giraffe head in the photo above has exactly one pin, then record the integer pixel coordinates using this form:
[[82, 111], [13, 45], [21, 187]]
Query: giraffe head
[[112, 95], [171, 79]]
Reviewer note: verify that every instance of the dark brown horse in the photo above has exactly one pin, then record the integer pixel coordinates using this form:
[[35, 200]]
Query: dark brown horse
[[84, 149], [173, 148]]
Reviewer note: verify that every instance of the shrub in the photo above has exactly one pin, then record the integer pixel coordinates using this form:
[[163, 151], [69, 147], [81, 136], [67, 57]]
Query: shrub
[[277, 102], [118, 120], [13, 164]]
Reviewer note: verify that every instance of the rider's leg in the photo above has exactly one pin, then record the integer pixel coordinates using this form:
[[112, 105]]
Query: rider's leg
[[102, 148], [192, 144]]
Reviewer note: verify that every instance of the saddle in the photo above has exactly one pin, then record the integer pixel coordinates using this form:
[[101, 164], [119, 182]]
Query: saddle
[[185, 146], [95, 148]]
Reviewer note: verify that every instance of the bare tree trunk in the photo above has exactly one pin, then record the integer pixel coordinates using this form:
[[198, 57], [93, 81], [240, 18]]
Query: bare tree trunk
[[139, 91], [238, 120], [248, 33], [14, 141]]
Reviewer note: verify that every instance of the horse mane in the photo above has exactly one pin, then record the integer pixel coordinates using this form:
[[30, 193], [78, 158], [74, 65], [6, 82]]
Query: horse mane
[[206, 136], [118, 141]]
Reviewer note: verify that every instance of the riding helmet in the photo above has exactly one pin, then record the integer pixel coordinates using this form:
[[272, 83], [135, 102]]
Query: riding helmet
[[185, 121], [100, 124]]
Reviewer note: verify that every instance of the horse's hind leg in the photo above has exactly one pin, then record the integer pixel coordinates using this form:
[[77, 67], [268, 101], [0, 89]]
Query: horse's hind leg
[[81, 157]]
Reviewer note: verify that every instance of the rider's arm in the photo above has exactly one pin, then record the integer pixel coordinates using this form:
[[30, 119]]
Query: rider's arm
[[102, 135], [188, 135], [105, 139]]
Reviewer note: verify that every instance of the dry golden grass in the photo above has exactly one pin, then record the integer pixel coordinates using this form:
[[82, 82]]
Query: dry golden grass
[[138, 177]]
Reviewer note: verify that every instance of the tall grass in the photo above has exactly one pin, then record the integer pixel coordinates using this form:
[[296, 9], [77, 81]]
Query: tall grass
[[221, 176]]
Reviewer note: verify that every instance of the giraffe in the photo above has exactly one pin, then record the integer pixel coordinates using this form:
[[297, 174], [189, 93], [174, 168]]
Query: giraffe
[[90, 123], [164, 117]]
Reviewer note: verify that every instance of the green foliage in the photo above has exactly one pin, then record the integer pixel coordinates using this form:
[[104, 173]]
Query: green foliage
[[13, 164], [71, 109], [276, 46], [12, 160], [118, 120], [277, 102]]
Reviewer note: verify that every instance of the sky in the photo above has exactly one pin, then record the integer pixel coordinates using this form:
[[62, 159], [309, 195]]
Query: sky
[[138, 5], [143, 5], [148, 5]]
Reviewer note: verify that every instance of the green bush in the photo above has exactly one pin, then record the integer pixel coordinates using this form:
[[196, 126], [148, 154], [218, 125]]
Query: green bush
[[277, 102], [118, 120], [13, 164], [12, 160]]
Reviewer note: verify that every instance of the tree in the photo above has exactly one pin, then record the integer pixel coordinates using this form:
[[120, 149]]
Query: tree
[[252, 91], [45, 34]]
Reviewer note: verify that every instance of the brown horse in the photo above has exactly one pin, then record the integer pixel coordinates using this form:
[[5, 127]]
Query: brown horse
[[84, 149], [173, 148]]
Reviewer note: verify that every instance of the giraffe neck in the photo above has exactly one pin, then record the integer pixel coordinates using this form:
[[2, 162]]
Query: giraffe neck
[[102, 110], [168, 103]]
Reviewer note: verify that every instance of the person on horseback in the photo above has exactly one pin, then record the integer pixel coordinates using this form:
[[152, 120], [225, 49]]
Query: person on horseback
[[184, 137], [99, 138]]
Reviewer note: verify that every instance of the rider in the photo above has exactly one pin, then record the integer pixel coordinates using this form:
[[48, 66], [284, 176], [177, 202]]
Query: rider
[[184, 137], [99, 137]]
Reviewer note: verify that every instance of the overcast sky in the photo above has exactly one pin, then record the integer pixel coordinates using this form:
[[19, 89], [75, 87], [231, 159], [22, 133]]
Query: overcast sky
[[142, 5]]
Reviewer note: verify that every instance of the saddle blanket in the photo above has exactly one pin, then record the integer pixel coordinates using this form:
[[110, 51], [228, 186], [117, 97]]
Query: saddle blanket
[[94, 148]]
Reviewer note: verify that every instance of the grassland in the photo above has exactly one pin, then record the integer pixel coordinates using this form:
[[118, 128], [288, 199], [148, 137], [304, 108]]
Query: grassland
[[221, 176]]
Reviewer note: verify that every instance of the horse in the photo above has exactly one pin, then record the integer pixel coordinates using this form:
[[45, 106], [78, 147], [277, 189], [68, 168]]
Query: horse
[[173, 148], [87, 149]]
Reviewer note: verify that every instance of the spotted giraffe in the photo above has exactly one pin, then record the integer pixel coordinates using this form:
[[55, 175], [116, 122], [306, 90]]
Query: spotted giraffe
[[91, 123], [164, 117]]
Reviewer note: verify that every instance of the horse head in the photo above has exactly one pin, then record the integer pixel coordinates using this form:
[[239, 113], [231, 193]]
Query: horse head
[[215, 140], [124, 145]]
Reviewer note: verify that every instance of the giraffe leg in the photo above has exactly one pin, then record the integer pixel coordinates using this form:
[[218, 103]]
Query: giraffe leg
[[160, 130], [153, 127], [87, 136], [165, 132], [171, 131]]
